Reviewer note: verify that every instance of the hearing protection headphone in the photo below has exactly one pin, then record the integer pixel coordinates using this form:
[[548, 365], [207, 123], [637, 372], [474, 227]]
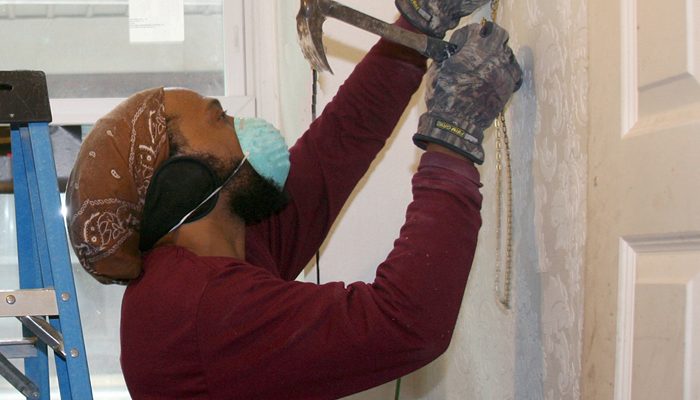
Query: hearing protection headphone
[[178, 186]]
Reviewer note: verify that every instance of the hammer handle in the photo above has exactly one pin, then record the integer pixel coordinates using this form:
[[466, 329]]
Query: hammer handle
[[431, 47]]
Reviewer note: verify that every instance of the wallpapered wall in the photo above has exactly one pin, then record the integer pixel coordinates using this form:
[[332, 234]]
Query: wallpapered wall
[[533, 351], [551, 118]]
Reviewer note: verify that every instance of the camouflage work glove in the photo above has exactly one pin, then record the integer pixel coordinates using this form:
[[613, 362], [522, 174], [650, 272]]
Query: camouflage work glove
[[467, 91], [435, 17]]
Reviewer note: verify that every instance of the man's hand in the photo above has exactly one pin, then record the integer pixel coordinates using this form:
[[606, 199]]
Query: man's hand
[[435, 17], [467, 91]]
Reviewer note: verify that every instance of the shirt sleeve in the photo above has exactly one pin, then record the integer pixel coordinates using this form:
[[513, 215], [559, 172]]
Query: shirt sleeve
[[294, 340], [332, 156]]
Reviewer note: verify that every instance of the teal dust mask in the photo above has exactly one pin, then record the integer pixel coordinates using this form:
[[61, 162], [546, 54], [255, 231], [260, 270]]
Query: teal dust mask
[[265, 147]]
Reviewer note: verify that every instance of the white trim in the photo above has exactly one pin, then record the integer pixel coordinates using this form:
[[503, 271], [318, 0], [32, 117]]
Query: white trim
[[629, 78], [630, 248], [249, 35], [625, 321], [688, 337], [264, 53], [235, 45], [690, 17], [80, 111], [676, 242]]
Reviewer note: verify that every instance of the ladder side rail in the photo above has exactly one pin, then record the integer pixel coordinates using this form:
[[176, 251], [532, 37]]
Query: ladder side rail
[[39, 234], [42, 239], [36, 368], [61, 269], [27, 252]]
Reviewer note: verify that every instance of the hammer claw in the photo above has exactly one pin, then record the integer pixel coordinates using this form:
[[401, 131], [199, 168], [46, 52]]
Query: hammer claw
[[310, 29]]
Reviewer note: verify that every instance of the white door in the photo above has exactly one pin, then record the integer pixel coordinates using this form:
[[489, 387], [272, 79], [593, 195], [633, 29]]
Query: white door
[[642, 281]]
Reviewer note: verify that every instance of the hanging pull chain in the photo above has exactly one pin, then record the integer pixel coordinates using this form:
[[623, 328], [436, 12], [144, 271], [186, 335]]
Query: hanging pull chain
[[494, 9], [504, 237], [504, 251]]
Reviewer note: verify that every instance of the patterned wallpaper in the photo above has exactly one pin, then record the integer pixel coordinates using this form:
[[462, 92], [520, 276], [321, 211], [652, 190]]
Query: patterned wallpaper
[[553, 36]]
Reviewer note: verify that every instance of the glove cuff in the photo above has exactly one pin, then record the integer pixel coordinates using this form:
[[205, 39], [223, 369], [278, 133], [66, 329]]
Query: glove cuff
[[422, 142], [464, 140]]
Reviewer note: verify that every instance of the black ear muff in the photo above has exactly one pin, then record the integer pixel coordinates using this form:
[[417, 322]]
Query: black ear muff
[[177, 187]]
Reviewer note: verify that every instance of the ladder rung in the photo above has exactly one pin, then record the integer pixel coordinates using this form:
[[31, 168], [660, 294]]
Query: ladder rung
[[22, 348], [19, 303]]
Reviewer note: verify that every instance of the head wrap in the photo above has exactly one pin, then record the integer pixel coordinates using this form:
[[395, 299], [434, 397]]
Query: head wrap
[[107, 187]]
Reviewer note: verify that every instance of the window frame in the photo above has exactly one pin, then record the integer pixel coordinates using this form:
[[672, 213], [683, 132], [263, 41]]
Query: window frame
[[251, 80]]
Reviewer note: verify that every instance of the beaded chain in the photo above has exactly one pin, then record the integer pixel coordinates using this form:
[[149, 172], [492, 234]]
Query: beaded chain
[[504, 205]]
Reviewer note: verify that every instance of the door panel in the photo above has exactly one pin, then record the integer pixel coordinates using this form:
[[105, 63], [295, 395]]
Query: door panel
[[659, 318], [665, 353], [667, 64], [643, 253]]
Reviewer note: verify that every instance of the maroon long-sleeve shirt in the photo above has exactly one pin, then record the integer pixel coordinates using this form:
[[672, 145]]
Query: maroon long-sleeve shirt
[[221, 328]]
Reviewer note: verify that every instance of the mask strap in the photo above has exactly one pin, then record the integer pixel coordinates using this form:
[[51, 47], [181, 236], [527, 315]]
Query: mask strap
[[217, 190]]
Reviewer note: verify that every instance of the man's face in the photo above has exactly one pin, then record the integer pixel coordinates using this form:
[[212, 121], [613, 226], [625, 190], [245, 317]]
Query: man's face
[[209, 134], [203, 124]]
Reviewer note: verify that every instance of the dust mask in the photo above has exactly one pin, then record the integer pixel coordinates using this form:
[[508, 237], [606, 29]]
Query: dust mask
[[267, 151]]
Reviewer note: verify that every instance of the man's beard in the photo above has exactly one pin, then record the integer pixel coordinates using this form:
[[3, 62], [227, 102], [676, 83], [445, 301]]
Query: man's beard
[[250, 196], [253, 197]]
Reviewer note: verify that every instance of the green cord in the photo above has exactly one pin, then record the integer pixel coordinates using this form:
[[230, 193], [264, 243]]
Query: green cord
[[397, 394]]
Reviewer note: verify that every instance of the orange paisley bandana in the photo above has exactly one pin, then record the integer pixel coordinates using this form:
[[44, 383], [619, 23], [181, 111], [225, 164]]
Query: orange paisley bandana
[[108, 184]]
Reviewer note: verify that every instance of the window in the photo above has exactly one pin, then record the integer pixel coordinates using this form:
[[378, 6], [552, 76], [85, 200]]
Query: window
[[86, 49]]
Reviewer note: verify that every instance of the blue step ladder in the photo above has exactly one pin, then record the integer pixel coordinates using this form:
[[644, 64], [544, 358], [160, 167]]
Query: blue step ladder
[[46, 303]]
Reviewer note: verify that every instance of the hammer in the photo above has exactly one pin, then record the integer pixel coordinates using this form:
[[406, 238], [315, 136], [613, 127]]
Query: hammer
[[313, 13]]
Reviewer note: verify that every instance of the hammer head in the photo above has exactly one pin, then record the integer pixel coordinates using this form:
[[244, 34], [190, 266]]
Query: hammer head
[[310, 29]]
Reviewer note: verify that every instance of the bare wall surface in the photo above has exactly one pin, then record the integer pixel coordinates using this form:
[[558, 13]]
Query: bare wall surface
[[534, 350]]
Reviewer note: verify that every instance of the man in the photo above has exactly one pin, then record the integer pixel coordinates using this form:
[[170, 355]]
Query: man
[[214, 311]]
